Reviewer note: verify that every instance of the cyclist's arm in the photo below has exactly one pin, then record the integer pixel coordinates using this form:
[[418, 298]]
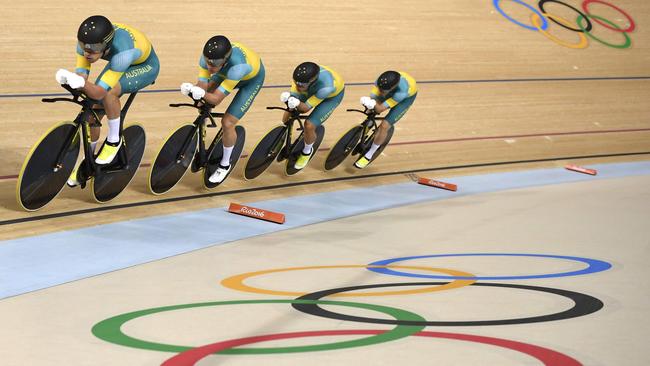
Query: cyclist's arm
[[214, 98], [82, 65], [327, 87], [397, 97], [374, 93], [117, 67], [302, 107]]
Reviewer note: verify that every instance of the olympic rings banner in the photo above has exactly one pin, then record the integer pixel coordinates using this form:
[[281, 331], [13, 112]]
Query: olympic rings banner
[[404, 323], [583, 24]]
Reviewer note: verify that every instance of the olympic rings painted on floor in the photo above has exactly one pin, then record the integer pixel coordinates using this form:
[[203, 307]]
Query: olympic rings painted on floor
[[584, 42], [626, 44], [567, 26], [110, 329], [582, 305], [406, 323], [630, 28], [520, 2], [540, 23], [593, 266], [547, 356], [237, 282]]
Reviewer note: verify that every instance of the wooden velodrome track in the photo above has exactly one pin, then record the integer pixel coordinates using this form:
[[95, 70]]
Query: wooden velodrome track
[[490, 91]]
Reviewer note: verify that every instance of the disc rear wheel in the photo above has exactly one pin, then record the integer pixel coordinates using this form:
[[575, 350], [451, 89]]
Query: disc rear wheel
[[116, 176]]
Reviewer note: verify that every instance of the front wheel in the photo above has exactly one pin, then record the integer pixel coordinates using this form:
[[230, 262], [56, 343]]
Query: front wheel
[[40, 180], [343, 147], [265, 152], [170, 164]]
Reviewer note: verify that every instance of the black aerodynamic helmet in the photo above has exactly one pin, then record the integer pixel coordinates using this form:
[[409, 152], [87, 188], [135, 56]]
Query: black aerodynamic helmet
[[388, 80], [306, 73], [95, 34], [217, 50]]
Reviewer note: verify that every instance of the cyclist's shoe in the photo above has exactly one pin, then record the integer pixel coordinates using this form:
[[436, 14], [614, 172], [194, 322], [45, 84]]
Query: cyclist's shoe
[[220, 174], [73, 181], [303, 159], [362, 162], [108, 152]]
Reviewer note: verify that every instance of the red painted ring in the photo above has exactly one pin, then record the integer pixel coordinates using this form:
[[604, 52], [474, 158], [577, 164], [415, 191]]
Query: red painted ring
[[630, 28], [547, 356]]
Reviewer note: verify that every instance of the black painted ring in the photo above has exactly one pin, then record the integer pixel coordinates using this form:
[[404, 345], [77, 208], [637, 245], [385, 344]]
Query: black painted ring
[[583, 305], [587, 28]]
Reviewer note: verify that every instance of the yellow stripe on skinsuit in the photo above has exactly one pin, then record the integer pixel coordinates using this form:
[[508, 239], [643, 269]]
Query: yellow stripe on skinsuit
[[140, 41], [252, 59], [413, 86], [339, 84]]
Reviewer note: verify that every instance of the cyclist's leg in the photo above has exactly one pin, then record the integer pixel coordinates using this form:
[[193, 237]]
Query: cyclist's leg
[[382, 132], [96, 126], [318, 116], [136, 77], [395, 114], [247, 91], [237, 109], [139, 76]]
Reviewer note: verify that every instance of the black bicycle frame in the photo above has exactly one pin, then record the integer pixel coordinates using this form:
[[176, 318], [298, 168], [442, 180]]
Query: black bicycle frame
[[200, 126], [288, 145], [369, 125], [81, 121]]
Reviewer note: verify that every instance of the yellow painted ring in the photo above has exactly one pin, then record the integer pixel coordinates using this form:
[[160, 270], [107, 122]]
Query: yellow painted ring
[[583, 43], [237, 282]]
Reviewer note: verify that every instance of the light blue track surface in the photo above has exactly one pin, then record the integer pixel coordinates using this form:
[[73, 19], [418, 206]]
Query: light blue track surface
[[38, 262]]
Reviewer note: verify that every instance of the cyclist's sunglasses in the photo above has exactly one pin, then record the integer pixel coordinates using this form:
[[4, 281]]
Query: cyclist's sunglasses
[[306, 84], [219, 61], [92, 47]]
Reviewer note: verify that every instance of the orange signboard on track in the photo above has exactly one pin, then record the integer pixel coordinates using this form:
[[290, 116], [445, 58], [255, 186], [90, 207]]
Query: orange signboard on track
[[256, 213], [580, 169], [437, 184]]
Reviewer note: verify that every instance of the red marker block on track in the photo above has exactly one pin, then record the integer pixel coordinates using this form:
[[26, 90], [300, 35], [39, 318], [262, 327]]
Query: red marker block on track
[[256, 213], [437, 184], [580, 169]]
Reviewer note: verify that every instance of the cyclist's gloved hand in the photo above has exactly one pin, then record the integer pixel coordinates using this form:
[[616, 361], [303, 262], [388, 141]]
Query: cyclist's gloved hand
[[62, 76], [368, 102], [197, 92], [293, 102], [75, 81], [186, 88], [66, 77], [284, 97]]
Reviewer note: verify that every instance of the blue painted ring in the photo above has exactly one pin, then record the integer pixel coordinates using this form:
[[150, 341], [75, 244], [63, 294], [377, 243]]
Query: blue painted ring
[[542, 17], [593, 266]]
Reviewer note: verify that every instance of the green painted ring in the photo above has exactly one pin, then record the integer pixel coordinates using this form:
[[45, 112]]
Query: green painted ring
[[628, 40], [110, 330]]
